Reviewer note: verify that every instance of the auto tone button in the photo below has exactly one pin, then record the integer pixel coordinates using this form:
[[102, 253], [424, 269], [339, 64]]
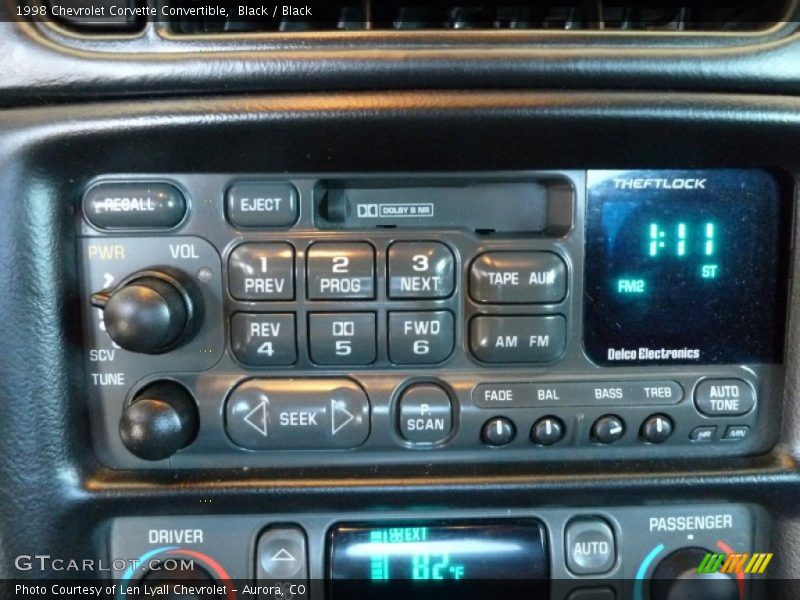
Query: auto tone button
[[724, 397]]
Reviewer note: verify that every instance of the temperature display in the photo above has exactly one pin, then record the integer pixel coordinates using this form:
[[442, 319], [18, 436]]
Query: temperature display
[[437, 560], [684, 267]]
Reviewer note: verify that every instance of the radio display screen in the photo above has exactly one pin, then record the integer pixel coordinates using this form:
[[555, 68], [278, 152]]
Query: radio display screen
[[684, 267], [438, 560]]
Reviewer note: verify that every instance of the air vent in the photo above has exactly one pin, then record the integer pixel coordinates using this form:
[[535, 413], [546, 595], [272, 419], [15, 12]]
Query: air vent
[[384, 15]]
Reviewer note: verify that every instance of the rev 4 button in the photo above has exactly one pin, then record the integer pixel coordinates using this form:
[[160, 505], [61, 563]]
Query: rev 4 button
[[264, 340]]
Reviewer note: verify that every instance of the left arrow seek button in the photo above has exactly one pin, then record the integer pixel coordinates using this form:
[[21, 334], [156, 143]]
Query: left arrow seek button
[[298, 414]]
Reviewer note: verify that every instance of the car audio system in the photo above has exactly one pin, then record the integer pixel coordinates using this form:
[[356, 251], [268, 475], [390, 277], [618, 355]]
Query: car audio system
[[611, 553], [238, 320]]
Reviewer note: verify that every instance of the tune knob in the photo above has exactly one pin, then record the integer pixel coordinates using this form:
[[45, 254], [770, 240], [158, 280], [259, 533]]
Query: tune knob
[[159, 421], [150, 312], [676, 578]]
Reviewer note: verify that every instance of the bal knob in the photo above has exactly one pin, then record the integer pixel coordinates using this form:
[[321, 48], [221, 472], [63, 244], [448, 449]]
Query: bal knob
[[676, 578], [159, 421], [150, 312]]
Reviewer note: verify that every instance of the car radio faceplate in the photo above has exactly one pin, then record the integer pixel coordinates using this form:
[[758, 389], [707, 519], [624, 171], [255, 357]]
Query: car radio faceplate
[[286, 320]]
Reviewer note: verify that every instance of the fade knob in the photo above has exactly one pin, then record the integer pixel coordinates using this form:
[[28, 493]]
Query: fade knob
[[676, 578], [150, 312], [159, 421]]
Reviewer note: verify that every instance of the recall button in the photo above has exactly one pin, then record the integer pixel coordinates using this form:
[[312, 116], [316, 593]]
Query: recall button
[[262, 204], [518, 278], [297, 414], [134, 205], [724, 397]]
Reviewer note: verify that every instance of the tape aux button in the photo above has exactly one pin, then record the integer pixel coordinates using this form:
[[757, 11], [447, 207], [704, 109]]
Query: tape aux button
[[518, 278]]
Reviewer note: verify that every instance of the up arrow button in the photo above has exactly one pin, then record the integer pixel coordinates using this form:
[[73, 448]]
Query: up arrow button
[[281, 555], [298, 414]]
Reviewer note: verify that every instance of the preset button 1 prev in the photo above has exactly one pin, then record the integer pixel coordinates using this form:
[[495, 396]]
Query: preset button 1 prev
[[297, 414]]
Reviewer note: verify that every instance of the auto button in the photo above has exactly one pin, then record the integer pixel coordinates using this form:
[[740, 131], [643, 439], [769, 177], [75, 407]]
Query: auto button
[[297, 414]]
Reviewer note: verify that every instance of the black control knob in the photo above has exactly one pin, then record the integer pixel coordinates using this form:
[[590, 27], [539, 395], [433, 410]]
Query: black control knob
[[160, 420], [676, 578], [150, 312], [187, 582]]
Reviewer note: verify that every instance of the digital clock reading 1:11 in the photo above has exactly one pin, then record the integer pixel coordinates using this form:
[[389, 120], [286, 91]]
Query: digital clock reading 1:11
[[677, 241]]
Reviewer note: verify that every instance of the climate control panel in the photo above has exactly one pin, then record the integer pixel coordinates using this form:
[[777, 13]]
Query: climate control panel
[[715, 552], [237, 320]]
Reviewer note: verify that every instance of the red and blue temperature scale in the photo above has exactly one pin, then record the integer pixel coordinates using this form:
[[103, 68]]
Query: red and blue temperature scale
[[176, 552]]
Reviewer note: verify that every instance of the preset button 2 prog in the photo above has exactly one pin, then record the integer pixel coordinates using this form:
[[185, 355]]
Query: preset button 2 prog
[[341, 271], [298, 414]]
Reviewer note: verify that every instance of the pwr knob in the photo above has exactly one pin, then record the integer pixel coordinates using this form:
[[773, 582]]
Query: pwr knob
[[149, 312]]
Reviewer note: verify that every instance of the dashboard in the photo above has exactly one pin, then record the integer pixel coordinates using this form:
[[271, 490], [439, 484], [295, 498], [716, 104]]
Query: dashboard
[[337, 334]]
